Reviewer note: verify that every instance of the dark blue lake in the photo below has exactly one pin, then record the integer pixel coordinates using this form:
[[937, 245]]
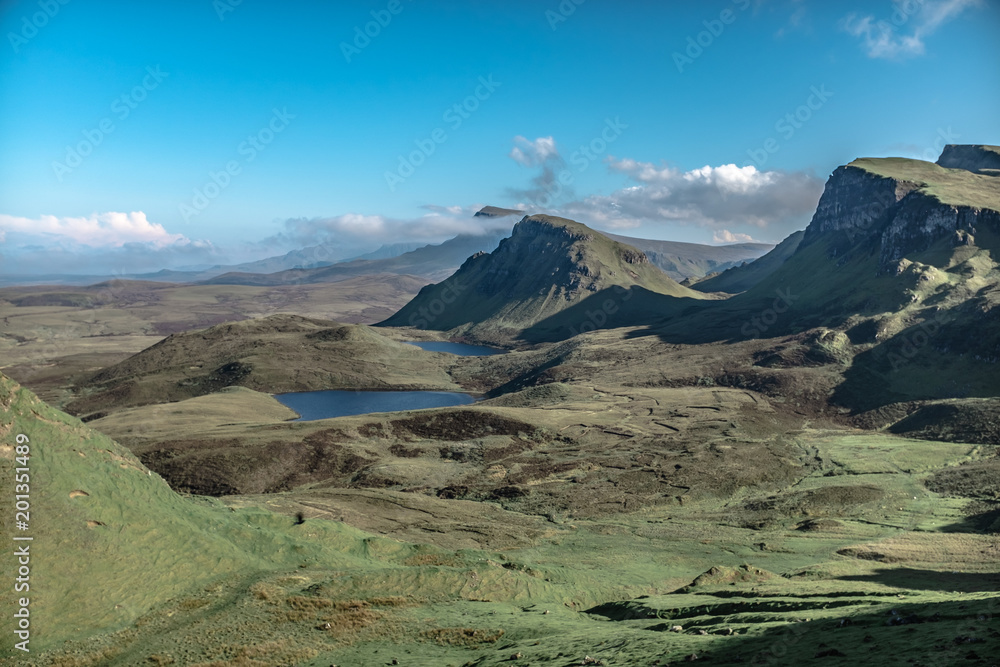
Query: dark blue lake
[[313, 405], [461, 349]]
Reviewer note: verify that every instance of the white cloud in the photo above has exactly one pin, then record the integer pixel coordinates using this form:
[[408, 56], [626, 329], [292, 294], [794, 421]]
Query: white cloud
[[726, 236], [439, 224], [110, 229], [726, 197], [532, 153], [903, 33], [98, 244]]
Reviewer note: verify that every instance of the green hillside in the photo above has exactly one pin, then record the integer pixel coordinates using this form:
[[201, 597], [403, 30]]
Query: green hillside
[[273, 354], [111, 540], [741, 278]]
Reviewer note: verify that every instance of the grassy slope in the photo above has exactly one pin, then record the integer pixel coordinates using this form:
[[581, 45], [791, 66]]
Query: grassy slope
[[204, 586], [111, 540], [956, 187], [741, 278], [694, 260], [274, 354]]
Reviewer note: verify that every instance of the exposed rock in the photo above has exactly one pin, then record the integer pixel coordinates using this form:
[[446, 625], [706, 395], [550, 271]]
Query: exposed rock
[[978, 159]]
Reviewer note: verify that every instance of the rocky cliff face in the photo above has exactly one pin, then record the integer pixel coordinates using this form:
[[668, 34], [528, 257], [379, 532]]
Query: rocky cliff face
[[854, 199], [919, 221], [977, 159], [906, 206]]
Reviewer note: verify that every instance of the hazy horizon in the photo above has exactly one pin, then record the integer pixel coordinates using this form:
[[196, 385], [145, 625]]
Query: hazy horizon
[[166, 137]]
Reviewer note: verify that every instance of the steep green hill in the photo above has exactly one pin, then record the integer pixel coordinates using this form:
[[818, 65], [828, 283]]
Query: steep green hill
[[111, 540], [741, 278], [900, 258], [547, 267]]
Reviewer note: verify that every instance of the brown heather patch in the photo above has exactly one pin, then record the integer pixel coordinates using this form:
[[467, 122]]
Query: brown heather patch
[[302, 603], [266, 592], [462, 636], [435, 560], [95, 659], [276, 653]]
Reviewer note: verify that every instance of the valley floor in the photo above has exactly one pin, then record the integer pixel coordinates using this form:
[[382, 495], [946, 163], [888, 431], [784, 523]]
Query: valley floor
[[613, 504]]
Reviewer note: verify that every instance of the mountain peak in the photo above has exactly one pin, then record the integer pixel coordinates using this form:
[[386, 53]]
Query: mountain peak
[[547, 266], [496, 212]]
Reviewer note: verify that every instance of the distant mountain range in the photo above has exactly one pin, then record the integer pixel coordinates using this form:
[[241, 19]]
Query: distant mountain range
[[330, 263], [435, 262], [681, 261], [740, 278]]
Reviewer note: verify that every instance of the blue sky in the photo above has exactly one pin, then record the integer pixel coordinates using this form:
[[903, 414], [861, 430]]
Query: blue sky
[[220, 131]]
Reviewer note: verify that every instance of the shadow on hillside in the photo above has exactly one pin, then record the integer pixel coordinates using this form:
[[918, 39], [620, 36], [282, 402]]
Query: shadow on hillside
[[931, 580], [612, 308], [928, 360], [895, 632]]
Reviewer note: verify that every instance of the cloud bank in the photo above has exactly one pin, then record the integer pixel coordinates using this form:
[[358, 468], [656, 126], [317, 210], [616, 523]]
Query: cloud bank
[[110, 229], [720, 198], [98, 244], [354, 229]]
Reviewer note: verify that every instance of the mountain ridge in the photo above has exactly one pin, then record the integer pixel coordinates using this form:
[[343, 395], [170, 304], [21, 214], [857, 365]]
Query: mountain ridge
[[547, 265]]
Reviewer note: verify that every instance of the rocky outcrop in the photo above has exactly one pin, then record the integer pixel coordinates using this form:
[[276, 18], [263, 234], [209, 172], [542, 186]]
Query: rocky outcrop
[[977, 159], [854, 199], [898, 206], [920, 221]]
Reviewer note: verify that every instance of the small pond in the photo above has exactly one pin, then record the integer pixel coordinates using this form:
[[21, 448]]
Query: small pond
[[313, 405]]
